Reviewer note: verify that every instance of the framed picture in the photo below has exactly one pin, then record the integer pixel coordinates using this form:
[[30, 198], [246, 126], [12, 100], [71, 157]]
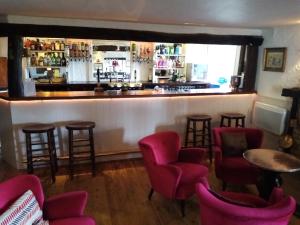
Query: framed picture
[[274, 59]]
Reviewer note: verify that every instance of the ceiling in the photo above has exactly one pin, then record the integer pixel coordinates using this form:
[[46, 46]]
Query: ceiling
[[212, 13]]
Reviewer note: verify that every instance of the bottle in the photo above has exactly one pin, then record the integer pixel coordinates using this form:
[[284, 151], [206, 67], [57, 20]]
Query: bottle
[[57, 46], [41, 61], [63, 61], [46, 59], [62, 46], [58, 60], [33, 60], [52, 46], [53, 59]]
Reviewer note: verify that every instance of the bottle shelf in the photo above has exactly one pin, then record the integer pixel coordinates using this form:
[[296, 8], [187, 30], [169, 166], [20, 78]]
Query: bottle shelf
[[170, 55], [46, 66], [169, 68], [46, 51]]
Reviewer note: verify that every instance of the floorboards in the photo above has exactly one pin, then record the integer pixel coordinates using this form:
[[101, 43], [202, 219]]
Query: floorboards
[[118, 194]]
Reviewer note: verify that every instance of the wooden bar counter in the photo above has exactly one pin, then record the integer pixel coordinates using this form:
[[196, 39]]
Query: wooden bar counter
[[121, 118]]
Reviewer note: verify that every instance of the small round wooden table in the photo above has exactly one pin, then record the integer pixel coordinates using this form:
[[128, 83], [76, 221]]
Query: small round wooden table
[[272, 163]]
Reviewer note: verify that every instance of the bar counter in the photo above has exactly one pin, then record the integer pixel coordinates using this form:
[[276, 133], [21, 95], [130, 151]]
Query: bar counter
[[122, 118], [48, 95]]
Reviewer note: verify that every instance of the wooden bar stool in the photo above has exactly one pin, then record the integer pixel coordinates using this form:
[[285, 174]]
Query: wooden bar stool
[[41, 154], [238, 117], [79, 143], [201, 133]]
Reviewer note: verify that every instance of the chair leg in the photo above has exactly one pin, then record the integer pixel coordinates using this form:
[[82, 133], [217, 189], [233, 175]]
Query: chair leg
[[182, 207], [224, 186], [150, 194]]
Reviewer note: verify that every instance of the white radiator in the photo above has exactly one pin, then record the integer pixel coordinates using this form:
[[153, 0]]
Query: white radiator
[[269, 117]]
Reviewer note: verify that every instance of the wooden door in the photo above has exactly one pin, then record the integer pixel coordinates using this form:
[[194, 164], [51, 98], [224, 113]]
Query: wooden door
[[3, 72]]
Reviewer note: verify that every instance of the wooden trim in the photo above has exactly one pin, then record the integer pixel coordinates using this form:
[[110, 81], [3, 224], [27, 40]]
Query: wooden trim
[[7, 29]]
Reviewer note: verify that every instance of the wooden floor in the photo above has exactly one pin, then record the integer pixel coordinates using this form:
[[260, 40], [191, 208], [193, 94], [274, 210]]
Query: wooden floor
[[118, 194]]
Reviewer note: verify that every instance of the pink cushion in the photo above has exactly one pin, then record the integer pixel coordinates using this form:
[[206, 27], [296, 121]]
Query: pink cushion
[[25, 210], [191, 172], [74, 221]]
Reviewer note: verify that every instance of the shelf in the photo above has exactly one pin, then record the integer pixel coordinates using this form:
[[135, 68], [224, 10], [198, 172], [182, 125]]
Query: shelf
[[169, 68], [163, 77], [46, 66], [176, 55], [46, 51]]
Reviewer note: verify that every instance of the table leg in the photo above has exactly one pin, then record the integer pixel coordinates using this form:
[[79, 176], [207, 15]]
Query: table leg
[[267, 182]]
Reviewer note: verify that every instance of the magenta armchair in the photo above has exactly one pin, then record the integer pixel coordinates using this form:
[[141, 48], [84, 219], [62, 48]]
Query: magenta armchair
[[173, 172], [277, 211], [63, 209], [235, 169]]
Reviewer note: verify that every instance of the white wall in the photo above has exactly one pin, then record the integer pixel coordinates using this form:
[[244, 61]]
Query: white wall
[[130, 25], [270, 84]]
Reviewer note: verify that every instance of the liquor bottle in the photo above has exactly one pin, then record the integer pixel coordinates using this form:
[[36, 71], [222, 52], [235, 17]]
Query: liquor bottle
[[41, 61], [62, 46], [63, 61], [58, 60], [46, 59], [53, 59], [57, 46], [33, 60], [52, 46]]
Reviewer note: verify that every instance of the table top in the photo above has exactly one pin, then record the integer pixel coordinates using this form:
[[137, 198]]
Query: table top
[[272, 160]]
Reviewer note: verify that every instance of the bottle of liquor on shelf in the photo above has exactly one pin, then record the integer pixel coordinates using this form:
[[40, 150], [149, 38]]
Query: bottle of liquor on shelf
[[46, 59], [52, 46], [63, 61], [41, 61], [33, 61], [53, 59], [57, 46], [58, 60], [62, 46]]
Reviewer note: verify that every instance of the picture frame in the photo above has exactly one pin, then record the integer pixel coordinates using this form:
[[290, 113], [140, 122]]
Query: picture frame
[[274, 59]]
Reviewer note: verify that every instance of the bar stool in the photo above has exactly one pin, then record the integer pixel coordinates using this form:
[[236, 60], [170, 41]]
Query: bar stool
[[203, 132], [238, 117], [36, 155], [79, 142]]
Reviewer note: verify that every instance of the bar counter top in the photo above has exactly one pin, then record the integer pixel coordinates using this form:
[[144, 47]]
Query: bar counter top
[[54, 95]]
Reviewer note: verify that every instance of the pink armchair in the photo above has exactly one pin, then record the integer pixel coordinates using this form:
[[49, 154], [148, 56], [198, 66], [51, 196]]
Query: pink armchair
[[173, 172], [233, 211], [235, 169], [63, 209]]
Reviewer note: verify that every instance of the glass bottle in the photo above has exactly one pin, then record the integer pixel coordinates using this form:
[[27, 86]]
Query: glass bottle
[[63, 61], [62, 46], [58, 60]]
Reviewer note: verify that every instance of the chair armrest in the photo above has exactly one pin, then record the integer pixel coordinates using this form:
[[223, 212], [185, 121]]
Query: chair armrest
[[192, 155], [65, 205], [165, 179]]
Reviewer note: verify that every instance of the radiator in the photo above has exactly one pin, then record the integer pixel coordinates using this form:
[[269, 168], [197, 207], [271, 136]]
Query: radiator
[[269, 117]]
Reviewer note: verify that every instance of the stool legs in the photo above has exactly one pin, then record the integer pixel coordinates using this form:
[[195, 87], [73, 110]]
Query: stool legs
[[71, 157], [52, 154], [209, 142], [91, 138], [187, 132], [29, 153]]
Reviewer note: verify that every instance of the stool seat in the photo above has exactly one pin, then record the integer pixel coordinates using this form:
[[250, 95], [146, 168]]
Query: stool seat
[[38, 128], [199, 117], [81, 125], [239, 119], [201, 136], [233, 115]]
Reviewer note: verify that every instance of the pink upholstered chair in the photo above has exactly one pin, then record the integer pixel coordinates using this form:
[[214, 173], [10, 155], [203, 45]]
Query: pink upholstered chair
[[173, 172], [63, 209], [235, 169], [234, 210]]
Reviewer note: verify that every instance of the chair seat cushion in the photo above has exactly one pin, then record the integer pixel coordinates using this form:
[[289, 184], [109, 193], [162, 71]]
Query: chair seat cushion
[[237, 170], [191, 174], [244, 199], [74, 221]]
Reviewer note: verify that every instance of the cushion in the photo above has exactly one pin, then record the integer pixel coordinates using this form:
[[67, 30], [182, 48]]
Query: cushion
[[192, 173], [24, 211], [231, 201], [234, 144]]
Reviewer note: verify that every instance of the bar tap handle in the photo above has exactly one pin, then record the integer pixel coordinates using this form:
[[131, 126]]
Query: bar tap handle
[[98, 75]]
